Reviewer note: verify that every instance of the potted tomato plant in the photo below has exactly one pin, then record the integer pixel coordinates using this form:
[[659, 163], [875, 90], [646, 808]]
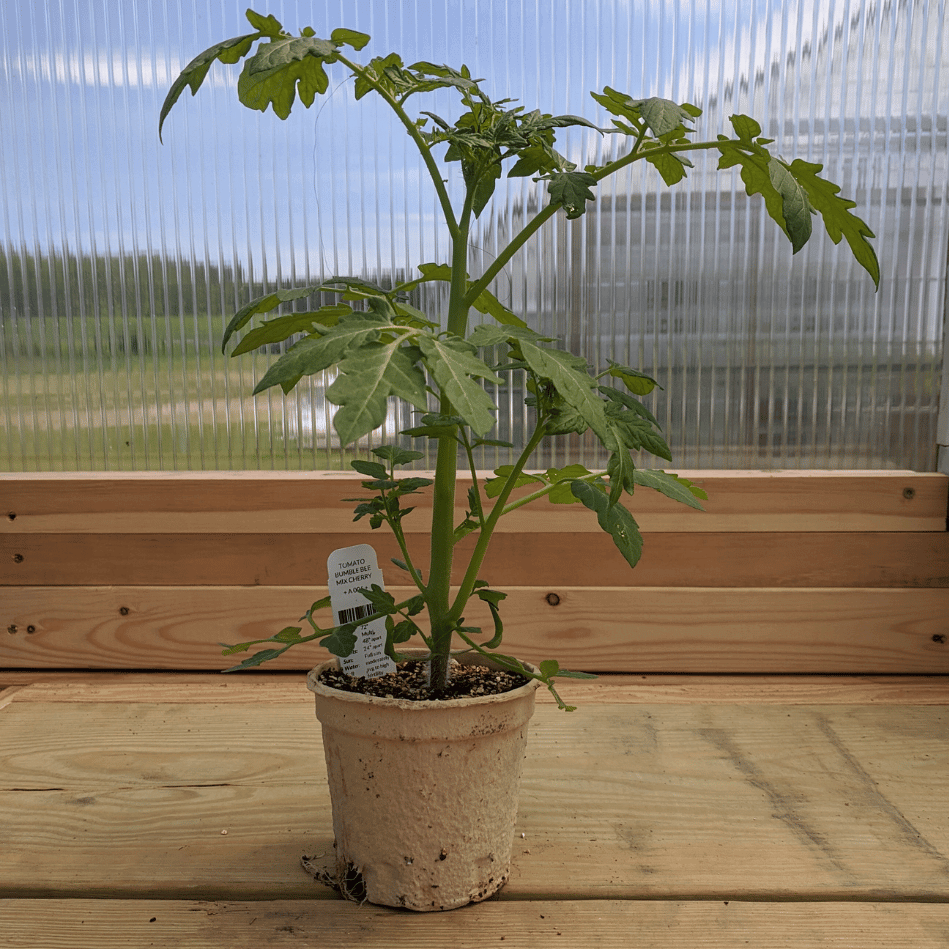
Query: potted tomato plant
[[423, 778]]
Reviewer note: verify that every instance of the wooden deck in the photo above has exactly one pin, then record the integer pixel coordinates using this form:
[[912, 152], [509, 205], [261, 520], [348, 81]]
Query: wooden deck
[[173, 809], [786, 788]]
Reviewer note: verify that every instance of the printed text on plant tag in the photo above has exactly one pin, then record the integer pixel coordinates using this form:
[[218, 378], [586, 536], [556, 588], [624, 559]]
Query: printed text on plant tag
[[350, 569]]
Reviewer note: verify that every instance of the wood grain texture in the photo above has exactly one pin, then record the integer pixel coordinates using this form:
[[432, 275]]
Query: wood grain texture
[[678, 559], [620, 801], [607, 924], [606, 629], [283, 502], [157, 688]]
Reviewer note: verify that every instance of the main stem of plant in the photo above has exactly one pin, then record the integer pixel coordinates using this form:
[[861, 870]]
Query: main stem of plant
[[446, 468]]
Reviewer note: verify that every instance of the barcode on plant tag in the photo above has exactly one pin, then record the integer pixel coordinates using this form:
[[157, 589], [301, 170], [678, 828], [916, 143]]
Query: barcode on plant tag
[[354, 613]]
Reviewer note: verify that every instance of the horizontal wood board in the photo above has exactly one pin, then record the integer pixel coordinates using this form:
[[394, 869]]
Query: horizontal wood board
[[607, 924], [606, 629], [620, 801], [282, 502], [807, 559], [173, 688]]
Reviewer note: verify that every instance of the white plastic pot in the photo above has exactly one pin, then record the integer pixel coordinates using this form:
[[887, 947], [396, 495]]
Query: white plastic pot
[[424, 794]]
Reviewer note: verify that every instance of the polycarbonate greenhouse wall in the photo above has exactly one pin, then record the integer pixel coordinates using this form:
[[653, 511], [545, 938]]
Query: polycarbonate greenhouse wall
[[121, 259]]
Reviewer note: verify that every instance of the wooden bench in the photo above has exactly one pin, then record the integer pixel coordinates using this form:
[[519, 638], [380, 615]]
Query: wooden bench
[[763, 761]]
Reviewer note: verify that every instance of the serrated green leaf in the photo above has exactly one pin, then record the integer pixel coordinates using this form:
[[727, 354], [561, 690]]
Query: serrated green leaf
[[571, 189], [289, 635], [493, 442], [746, 128], [637, 433], [455, 366], [283, 327], [344, 37], [562, 478], [234, 650], [372, 469], [660, 116], [795, 206], [549, 668], [566, 420], [671, 485], [399, 632], [671, 167], [321, 604], [485, 186], [367, 377], [397, 455], [835, 212], [439, 272], [284, 68], [257, 659], [636, 381], [487, 302], [493, 598], [193, 75], [341, 641], [267, 25], [315, 354], [263, 305], [487, 334], [619, 103], [621, 471], [494, 486], [431, 431], [415, 316], [756, 176], [634, 405], [490, 596], [570, 376], [612, 518], [411, 485], [663, 116], [381, 600], [535, 159], [436, 426]]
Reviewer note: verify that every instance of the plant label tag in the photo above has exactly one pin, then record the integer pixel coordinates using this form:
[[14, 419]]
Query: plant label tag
[[349, 569]]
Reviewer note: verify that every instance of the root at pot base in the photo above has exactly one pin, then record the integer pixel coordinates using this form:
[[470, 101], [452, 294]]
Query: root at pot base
[[410, 681]]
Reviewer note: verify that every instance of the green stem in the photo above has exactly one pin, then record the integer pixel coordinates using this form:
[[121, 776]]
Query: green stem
[[544, 215], [404, 547], [516, 243], [433, 170], [487, 530], [438, 595], [543, 492], [478, 502]]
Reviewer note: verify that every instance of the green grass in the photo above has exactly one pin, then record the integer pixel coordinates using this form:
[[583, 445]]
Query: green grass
[[131, 416], [162, 447]]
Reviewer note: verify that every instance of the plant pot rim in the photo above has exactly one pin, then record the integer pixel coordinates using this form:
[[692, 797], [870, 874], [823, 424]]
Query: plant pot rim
[[414, 705]]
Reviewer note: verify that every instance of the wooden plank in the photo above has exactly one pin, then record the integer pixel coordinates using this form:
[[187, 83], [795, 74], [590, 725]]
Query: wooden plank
[[616, 688], [626, 802], [607, 924], [606, 629], [283, 502], [671, 559]]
